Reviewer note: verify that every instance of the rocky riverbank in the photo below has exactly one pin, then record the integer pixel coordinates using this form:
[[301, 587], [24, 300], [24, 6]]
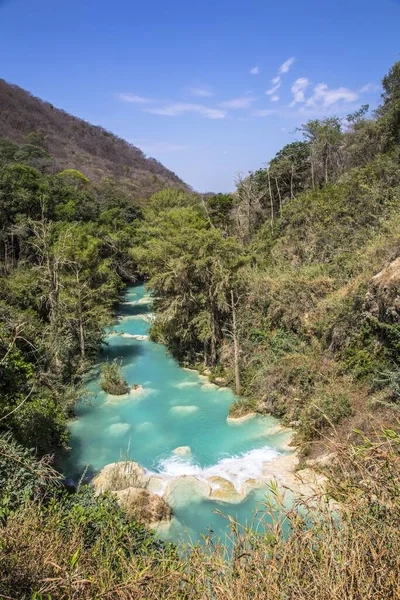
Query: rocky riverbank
[[149, 496]]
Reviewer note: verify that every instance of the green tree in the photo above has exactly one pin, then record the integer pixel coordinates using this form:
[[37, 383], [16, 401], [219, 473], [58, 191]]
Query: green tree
[[325, 139], [193, 269]]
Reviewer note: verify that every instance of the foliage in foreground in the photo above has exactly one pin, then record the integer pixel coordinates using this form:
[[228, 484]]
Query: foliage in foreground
[[74, 547]]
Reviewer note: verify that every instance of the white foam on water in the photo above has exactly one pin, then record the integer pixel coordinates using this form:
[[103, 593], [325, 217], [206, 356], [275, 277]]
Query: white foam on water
[[145, 425], [119, 428], [209, 386], [121, 318], [184, 384], [183, 410], [236, 469], [145, 300]]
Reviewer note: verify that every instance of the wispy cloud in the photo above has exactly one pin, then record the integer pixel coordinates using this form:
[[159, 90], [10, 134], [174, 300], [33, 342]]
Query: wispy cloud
[[203, 91], [277, 81], [134, 98], [369, 87], [284, 68], [265, 112], [298, 89], [180, 108], [255, 71], [275, 98], [323, 96], [243, 102], [274, 88]]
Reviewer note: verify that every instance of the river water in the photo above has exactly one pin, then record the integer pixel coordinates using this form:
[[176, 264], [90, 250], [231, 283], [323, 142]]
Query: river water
[[176, 407]]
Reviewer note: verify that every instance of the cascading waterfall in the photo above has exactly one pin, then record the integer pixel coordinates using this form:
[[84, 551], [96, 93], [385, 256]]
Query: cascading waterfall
[[172, 407]]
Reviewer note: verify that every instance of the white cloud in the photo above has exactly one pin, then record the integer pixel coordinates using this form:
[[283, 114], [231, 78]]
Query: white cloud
[[133, 98], [298, 90], [255, 71], [274, 98], [277, 81], [175, 110], [201, 91], [323, 96], [369, 87], [275, 87], [243, 102], [284, 68], [265, 112]]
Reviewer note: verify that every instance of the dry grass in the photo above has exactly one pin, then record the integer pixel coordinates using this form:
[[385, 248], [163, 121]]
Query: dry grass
[[309, 552]]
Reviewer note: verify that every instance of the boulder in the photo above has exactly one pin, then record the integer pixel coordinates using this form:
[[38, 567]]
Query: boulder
[[137, 388], [120, 476], [220, 380], [182, 450], [224, 490], [144, 506], [186, 489], [246, 417]]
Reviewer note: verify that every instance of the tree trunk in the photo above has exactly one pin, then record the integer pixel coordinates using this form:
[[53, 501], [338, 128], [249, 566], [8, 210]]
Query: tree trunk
[[82, 346], [213, 340], [312, 173], [326, 170], [279, 195], [272, 201], [236, 346], [291, 182], [82, 338]]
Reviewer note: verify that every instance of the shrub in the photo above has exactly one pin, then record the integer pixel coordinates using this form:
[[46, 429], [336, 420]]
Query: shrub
[[322, 413], [112, 380]]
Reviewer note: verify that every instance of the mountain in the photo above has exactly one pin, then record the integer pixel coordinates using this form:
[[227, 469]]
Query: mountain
[[74, 143]]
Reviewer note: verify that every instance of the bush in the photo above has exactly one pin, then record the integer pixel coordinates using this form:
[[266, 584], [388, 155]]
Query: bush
[[112, 380], [322, 413]]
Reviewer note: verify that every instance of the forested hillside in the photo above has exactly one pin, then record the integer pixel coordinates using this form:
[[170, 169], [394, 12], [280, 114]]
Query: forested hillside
[[74, 143], [287, 290]]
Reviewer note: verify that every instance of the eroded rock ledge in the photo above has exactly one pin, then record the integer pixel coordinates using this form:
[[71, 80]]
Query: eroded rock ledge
[[131, 486], [148, 497]]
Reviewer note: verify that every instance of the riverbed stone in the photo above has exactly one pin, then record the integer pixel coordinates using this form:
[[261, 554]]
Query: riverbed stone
[[186, 489], [182, 451], [222, 489], [242, 418]]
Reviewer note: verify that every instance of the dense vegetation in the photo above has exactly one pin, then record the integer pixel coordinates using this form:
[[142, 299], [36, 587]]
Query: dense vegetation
[[287, 289], [276, 288], [64, 260]]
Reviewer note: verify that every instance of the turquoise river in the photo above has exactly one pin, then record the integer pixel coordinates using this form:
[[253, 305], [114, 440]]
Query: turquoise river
[[173, 407]]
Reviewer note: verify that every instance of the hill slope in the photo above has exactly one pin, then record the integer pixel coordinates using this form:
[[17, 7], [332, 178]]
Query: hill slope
[[75, 143]]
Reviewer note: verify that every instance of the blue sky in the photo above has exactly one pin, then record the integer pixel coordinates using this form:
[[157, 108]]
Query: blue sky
[[209, 88]]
